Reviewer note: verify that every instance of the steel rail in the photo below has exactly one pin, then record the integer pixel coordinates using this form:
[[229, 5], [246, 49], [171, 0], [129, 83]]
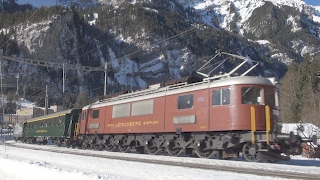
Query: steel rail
[[270, 173]]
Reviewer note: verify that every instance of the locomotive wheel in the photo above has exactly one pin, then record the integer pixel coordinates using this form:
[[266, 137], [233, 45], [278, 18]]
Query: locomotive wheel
[[84, 145], [250, 152], [124, 148], [110, 145], [151, 148], [206, 153], [174, 151], [97, 147], [111, 148]]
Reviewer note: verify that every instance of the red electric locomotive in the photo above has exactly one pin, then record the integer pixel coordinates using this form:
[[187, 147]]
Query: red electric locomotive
[[215, 116]]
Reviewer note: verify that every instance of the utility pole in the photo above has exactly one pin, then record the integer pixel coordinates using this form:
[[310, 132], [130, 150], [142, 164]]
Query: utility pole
[[24, 91], [17, 92], [2, 117], [105, 78], [46, 102], [63, 77], [17, 99], [2, 104]]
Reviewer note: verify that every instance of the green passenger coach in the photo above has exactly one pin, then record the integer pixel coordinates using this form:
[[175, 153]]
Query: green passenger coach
[[59, 127]]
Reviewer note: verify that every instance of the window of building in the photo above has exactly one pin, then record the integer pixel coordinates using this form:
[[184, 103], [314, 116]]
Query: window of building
[[221, 96], [252, 95], [185, 101], [95, 114]]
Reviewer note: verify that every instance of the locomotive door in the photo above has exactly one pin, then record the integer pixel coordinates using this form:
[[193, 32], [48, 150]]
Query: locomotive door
[[84, 121], [221, 104]]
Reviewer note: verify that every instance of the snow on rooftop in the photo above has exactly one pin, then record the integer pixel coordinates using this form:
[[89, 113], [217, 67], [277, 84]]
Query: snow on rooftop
[[25, 103]]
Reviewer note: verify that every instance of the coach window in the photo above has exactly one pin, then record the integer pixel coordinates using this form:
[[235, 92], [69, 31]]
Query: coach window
[[95, 114], [252, 95], [185, 101], [221, 97]]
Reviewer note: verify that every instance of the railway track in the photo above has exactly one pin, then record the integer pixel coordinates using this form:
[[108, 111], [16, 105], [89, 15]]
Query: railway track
[[260, 172]]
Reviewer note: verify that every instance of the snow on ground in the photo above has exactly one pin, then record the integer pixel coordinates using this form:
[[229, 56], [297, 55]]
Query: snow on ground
[[25, 164]]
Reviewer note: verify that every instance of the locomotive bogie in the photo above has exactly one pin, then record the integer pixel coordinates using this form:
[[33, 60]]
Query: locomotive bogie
[[224, 145]]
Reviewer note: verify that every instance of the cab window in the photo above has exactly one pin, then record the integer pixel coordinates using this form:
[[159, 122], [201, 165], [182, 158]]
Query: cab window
[[252, 95]]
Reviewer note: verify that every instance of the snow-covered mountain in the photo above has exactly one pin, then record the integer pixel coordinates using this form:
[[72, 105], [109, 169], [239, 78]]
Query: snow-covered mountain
[[275, 32], [225, 10]]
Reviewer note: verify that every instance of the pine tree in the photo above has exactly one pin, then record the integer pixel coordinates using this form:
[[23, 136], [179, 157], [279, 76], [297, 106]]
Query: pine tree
[[82, 100], [67, 101]]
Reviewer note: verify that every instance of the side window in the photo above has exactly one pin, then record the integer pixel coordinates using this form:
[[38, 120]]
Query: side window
[[95, 114], [251, 95], [221, 97], [185, 101], [270, 97]]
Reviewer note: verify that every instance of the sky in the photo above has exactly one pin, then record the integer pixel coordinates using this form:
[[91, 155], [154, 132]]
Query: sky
[[313, 2], [26, 164]]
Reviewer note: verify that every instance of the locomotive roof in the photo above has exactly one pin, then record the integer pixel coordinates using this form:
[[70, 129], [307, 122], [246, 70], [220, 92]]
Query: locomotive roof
[[157, 91], [244, 80], [52, 115]]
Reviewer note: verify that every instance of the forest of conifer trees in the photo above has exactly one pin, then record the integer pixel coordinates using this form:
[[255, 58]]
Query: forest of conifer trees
[[300, 92]]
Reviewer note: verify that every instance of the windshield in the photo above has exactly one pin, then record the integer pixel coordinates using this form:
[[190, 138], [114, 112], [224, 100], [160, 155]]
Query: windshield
[[251, 95]]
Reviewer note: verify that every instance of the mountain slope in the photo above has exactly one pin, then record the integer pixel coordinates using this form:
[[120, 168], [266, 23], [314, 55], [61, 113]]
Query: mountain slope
[[145, 42]]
